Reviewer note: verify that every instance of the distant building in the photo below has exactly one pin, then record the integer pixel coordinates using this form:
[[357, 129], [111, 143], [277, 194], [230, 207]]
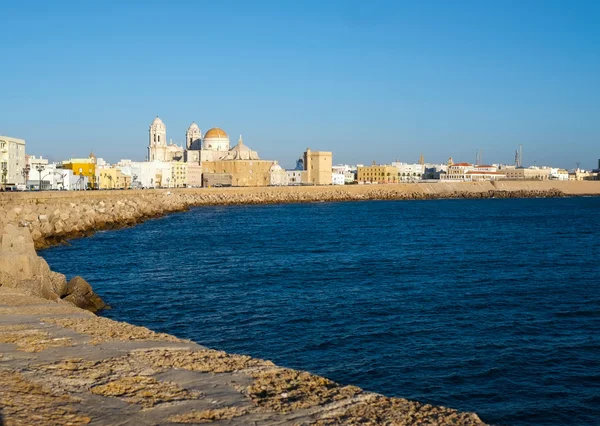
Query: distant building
[[409, 172], [484, 173], [318, 166], [241, 163], [82, 167], [296, 177], [457, 172], [113, 178], [12, 161], [434, 171], [278, 176], [467, 172], [349, 172], [558, 174], [377, 174], [178, 178], [522, 173], [338, 179], [579, 175], [194, 175]]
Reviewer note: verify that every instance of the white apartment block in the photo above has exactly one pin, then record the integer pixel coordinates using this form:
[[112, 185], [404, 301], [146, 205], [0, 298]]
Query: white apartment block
[[409, 172], [12, 160]]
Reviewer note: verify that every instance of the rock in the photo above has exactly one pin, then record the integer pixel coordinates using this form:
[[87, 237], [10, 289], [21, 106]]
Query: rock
[[21, 267], [79, 292]]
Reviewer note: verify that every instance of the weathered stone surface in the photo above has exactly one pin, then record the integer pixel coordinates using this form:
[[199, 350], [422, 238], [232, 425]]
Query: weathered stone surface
[[106, 330], [24, 403], [285, 390], [145, 391]]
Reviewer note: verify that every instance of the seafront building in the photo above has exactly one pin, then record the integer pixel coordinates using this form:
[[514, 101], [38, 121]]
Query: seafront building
[[12, 161], [529, 173], [109, 177], [409, 172], [377, 174], [82, 167], [348, 173]]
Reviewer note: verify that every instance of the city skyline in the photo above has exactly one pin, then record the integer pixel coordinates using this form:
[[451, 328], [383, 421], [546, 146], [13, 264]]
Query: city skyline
[[382, 83]]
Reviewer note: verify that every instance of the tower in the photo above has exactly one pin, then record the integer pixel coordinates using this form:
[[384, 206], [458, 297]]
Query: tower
[[193, 137], [519, 157], [157, 145]]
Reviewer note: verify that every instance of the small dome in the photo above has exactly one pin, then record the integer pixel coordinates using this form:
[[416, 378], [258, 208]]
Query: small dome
[[217, 133], [275, 168], [193, 126], [241, 152]]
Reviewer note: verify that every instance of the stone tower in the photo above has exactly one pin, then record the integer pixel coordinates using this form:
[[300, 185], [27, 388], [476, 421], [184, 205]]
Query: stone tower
[[193, 137], [157, 146]]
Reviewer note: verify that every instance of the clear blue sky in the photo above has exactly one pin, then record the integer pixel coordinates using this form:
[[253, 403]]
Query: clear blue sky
[[367, 80]]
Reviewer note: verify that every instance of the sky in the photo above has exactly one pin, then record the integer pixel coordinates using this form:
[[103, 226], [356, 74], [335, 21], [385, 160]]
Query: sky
[[369, 80]]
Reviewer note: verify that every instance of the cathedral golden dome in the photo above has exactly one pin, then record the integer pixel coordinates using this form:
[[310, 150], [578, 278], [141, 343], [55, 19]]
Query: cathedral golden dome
[[215, 132]]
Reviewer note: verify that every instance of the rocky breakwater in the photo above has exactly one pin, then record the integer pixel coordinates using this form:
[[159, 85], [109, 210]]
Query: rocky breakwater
[[21, 268]]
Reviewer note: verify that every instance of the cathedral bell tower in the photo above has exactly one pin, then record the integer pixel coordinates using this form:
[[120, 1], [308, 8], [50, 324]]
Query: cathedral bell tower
[[157, 146]]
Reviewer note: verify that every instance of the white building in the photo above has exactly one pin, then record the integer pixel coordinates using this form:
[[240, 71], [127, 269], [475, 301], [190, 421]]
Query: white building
[[153, 174], [466, 172], [434, 171], [294, 177], [409, 172], [12, 160], [559, 174], [278, 176], [53, 178], [338, 178]]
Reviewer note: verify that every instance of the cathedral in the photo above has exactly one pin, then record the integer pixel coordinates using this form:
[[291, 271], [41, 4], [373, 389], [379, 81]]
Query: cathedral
[[214, 146]]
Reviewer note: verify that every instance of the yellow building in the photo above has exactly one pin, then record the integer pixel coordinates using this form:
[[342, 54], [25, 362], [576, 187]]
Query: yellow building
[[377, 174], [178, 177], [82, 167], [318, 166], [242, 172], [113, 178]]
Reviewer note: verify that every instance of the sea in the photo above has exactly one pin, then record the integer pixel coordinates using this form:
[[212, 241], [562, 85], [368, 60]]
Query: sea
[[491, 306]]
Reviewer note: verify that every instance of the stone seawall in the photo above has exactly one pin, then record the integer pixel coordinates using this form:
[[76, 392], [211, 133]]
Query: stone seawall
[[54, 216]]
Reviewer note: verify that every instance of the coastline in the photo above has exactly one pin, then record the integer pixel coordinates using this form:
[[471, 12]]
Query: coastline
[[67, 362], [55, 216]]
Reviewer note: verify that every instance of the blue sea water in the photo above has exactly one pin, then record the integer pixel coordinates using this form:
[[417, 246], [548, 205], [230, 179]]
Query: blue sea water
[[490, 306]]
